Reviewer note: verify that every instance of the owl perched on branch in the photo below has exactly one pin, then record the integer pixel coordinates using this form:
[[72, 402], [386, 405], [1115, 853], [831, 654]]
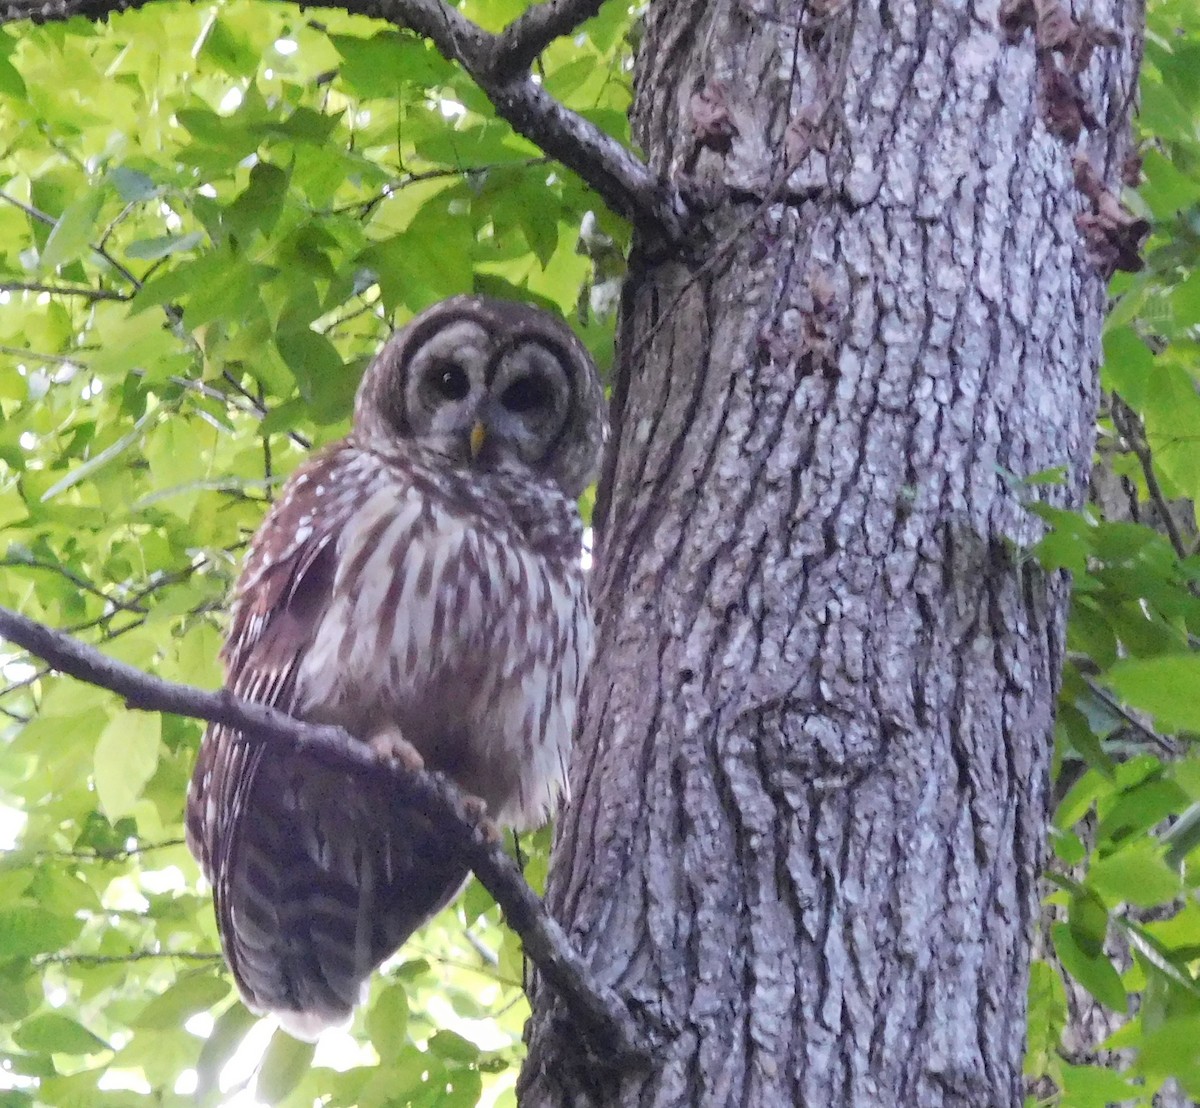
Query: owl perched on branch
[[418, 583]]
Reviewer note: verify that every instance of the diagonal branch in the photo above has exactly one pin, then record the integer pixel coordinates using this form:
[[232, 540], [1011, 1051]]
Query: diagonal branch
[[599, 1011], [499, 64], [532, 31]]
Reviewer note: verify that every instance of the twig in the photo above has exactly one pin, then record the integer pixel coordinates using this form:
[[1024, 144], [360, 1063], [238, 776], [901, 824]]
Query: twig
[[1133, 431], [364, 208], [597, 1008], [63, 290], [75, 579], [625, 183], [117, 854], [42, 356], [121, 959], [24, 682], [1114, 705], [262, 410], [49, 220]]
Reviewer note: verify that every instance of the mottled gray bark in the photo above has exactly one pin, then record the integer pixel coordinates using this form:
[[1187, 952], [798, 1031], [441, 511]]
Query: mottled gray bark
[[810, 785]]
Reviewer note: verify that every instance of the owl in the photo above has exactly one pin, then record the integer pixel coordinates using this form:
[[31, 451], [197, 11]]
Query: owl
[[419, 584]]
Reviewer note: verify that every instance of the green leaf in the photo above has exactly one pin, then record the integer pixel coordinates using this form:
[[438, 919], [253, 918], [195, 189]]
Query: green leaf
[[231, 1028], [326, 384], [98, 461], [11, 84], [1094, 1086], [258, 207], [197, 992], [220, 44], [27, 930], [163, 246], [72, 233], [284, 1064], [1094, 972], [387, 1021], [53, 1033], [1088, 921], [1135, 874], [453, 1047], [126, 758], [1167, 687], [132, 184]]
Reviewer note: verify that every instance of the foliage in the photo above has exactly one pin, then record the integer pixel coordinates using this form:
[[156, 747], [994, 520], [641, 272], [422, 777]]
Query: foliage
[[1124, 864], [209, 219]]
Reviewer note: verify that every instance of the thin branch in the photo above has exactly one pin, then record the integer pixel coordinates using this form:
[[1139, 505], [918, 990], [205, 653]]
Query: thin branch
[[64, 290], [262, 410], [532, 31], [24, 682], [35, 213], [626, 183], [598, 1009], [1115, 706], [75, 579], [117, 854], [122, 959], [1133, 431], [42, 356], [363, 208]]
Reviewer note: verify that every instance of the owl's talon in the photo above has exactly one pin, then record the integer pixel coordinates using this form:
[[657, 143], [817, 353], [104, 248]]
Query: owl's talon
[[392, 747], [475, 808], [476, 812]]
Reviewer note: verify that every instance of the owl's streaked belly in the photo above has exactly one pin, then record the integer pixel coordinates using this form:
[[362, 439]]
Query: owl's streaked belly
[[464, 638]]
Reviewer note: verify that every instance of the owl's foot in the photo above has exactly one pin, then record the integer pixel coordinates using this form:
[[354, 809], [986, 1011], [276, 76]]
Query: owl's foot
[[476, 811], [391, 746]]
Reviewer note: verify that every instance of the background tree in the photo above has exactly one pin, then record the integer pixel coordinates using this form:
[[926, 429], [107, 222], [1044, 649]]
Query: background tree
[[855, 384]]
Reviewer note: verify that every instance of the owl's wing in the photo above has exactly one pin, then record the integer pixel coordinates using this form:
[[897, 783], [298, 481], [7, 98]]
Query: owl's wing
[[317, 874]]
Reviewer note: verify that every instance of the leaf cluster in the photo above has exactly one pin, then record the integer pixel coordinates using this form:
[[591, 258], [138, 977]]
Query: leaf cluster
[[1123, 916]]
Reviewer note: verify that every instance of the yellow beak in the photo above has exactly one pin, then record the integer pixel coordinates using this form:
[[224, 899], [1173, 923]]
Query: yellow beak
[[478, 434]]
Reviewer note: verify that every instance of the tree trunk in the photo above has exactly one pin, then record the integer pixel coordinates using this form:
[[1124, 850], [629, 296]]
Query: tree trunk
[[810, 784]]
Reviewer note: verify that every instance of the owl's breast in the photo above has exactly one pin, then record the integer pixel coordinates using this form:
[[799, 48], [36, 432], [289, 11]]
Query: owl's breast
[[464, 634]]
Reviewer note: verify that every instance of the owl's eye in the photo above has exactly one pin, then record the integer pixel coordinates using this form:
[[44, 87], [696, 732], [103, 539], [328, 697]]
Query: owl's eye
[[450, 381], [525, 393]]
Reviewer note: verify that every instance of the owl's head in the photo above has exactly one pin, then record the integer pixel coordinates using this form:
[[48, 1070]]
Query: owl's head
[[488, 383]]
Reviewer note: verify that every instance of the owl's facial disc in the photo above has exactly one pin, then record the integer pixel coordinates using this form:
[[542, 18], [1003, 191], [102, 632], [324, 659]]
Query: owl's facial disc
[[482, 402]]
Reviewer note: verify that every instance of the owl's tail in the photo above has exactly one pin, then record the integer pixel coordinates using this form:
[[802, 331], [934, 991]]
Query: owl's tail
[[326, 880]]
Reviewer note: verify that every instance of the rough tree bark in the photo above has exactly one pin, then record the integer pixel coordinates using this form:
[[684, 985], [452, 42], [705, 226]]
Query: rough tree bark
[[810, 785]]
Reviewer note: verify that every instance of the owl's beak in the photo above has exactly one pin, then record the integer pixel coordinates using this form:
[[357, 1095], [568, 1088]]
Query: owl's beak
[[478, 434]]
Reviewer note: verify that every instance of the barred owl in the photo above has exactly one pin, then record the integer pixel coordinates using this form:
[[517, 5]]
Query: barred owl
[[418, 583]]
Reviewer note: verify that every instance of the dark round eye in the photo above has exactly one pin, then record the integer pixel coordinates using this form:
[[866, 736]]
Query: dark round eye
[[525, 393], [450, 381]]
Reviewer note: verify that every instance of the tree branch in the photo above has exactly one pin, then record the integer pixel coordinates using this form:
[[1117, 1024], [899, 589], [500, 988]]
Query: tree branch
[[499, 64], [599, 1011], [532, 31]]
